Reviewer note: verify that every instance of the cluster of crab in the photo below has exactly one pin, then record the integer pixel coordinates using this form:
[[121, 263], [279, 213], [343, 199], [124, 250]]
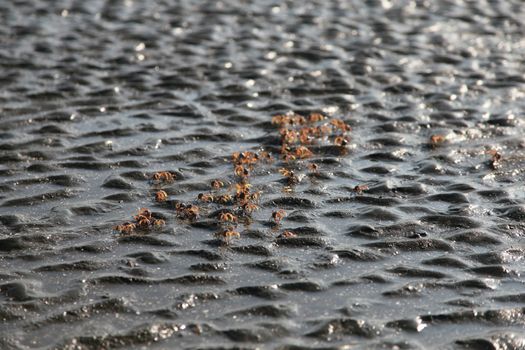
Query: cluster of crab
[[496, 158], [143, 220], [160, 178], [297, 132], [246, 200], [243, 199], [215, 197]]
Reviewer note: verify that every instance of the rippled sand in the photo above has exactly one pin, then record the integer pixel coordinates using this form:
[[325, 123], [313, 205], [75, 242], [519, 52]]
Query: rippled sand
[[96, 96]]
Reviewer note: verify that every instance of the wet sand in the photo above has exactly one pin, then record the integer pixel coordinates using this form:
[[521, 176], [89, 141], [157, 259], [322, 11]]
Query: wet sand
[[98, 96]]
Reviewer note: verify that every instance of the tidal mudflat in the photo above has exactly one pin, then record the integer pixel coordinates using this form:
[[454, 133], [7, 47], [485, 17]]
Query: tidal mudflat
[[159, 189]]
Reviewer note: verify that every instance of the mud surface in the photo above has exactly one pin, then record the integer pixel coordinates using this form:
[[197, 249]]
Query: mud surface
[[98, 95]]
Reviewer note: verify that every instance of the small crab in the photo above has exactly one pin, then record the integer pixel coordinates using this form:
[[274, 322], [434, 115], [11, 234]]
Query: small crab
[[205, 197], [495, 158], [313, 167], [323, 130], [192, 211], [242, 187], [241, 171], [315, 117], [224, 199], [286, 172], [306, 135], [341, 141], [126, 228], [437, 139], [290, 176], [144, 213], [278, 215], [228, 233], [265, 156], [255, 196], [239, 158], [287, 234], [164, 176], [249, 207], [143, 222], [217, 184], [187, 211], [242, 197], [360, 188], [303, 152], [158, 223], [341, 125], [289, 136], [288, 157], [278, 119], [287, 189], [161, 196], [227, 217]]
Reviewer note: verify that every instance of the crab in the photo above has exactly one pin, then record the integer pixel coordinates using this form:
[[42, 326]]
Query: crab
[[227, 217], [360, 188], [158, 223], [303, 152], [287, 234], [217, 184], [278, 215], [341, 141], [249, 207], [164, 176], [437, 139], [126, 228], [205, 197], [144, 213], [241, 171], [228, 233], [161, 196], [315, 117], [224, 199], [341, 125], [313, 167]]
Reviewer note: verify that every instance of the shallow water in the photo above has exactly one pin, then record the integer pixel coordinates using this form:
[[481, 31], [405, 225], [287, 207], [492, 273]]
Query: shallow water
[[98, 95]]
